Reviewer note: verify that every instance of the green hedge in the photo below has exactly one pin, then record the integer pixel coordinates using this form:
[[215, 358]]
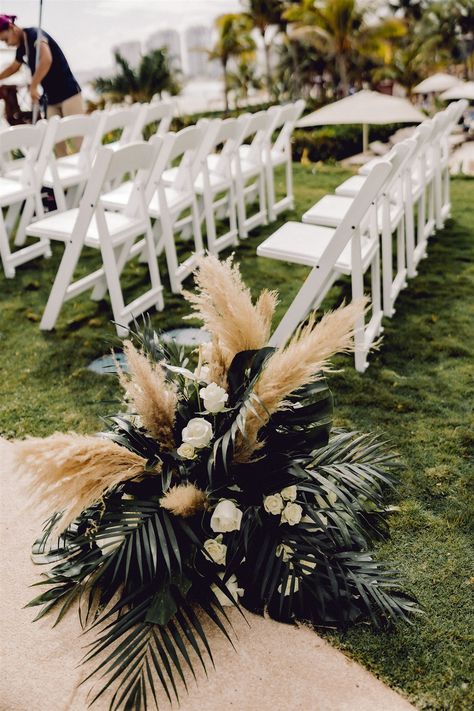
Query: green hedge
[[336, 142]]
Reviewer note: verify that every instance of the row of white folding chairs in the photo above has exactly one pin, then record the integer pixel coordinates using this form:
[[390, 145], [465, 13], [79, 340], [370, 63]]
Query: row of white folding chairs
[[345, 234], [218, 180], [164, 195]]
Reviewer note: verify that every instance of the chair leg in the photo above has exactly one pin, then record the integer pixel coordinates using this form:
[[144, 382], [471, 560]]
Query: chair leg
[[112, 276], [262, 202], [410, 238], [63, 279], [241, 210], [210, 223], [25, 220], [271, 198], [5, 252]]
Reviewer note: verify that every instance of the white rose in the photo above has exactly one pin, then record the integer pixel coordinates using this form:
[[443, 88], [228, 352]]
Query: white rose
[[232, 586], [284, 551], [202, 374], [309, 564], [273, 504], [197, 433], [186, 451], [226, 517], [291, 514], [110, 543], [216, 549], [289, 585], [214, 397], [289, 493]]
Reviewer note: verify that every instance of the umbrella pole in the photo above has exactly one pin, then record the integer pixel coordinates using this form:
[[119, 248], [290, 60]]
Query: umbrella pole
[[38, 43], [365, 138]]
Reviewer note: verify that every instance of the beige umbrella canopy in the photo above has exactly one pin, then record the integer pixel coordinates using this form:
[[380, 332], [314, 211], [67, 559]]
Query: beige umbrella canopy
[[365, 107], [464, 90], [436, 83]]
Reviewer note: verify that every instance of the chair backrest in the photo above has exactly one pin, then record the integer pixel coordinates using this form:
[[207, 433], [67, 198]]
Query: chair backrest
[[190, 148], [257, 126], [229, 137], [122, 120], [135, 159], [284, 121], [26, 141], [159, 112]]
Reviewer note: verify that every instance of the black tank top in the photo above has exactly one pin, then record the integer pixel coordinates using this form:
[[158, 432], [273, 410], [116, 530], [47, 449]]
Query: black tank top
[[59, 83]]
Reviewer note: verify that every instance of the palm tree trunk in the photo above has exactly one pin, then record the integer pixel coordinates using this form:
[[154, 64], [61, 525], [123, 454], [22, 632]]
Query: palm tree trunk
[[226, 86], [268, 71], [342, 69]]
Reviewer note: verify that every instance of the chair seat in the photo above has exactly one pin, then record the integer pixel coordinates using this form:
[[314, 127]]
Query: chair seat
[[351, 186], [176, 200], [118, 198], [218, 182], [68, 174], [304, 244], [60, 226], [12, 191], [331, 209]]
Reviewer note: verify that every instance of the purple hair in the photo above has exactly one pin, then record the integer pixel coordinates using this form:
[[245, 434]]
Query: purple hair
[[6, 21]]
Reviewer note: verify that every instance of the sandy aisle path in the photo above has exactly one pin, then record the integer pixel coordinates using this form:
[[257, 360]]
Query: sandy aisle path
[[276, 667]]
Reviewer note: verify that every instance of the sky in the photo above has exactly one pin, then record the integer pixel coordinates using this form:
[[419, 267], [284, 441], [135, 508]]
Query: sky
[[87, 29]]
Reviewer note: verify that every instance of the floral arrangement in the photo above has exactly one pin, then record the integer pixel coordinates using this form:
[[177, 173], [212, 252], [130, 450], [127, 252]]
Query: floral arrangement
[[218, 486]]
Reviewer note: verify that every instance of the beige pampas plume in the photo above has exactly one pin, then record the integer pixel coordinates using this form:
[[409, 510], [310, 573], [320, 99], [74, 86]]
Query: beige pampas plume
[[152, 396], [184, 500], [69, 472], [224, 304], [300, 362]]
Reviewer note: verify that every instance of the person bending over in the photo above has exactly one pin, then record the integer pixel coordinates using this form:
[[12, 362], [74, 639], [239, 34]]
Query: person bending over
[[62, 91]]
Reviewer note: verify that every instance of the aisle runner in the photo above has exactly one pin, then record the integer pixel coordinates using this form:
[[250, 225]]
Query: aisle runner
[[276, 667]]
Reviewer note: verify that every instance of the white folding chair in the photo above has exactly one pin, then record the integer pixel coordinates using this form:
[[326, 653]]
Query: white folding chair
[[332, 252], [113, 234], [283, 121], [156, 112], [248, 170], [331, 209], [19, 188], [169, 199]]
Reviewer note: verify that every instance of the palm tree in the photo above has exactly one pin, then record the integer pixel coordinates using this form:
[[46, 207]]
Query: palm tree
[[234, 39], [152, 76], [340, 30], [265, 14], [244, 77]]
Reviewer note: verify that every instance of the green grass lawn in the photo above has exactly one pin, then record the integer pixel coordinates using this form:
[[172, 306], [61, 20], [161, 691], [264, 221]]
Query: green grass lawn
[[417, 392]]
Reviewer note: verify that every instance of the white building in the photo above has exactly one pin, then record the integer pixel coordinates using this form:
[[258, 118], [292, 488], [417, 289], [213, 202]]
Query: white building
[[171, 40], [130, 51]]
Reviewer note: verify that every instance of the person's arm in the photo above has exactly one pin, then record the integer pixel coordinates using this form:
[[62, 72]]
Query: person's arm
[[11, 69], [44, 65]]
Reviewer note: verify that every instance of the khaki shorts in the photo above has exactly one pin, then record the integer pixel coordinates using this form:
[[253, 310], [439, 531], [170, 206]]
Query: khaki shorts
[[68, 107]]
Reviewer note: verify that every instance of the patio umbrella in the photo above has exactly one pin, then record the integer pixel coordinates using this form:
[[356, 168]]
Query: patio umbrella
[[365, 107], [465, 90], [436, 83]]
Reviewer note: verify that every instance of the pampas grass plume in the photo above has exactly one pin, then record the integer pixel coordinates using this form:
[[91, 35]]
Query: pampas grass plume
[[224, 304], [69, 472], [152, 396], [184, 500]]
